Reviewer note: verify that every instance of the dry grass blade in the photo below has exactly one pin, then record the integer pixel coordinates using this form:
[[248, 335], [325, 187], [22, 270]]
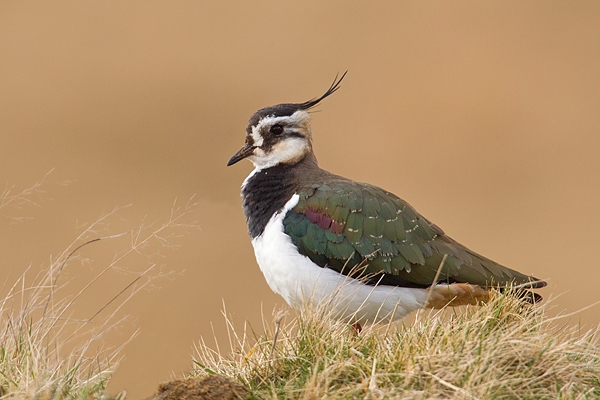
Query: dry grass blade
[[26, 197], [435, 279]]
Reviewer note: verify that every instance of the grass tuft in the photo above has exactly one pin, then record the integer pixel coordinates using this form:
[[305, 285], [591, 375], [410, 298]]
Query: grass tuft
[[45, 351], [499, 350]]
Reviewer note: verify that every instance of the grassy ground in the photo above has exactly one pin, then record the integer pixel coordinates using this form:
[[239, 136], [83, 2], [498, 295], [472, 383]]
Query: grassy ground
[[45, 351], [499, 350]]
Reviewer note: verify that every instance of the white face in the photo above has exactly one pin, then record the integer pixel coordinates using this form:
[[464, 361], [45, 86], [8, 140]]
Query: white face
[[279, 140]]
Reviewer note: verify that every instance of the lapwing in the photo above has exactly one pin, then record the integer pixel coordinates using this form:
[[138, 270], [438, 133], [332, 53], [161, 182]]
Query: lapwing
[[322, 238]]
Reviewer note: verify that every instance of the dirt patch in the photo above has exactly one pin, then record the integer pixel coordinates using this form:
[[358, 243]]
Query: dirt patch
[[203, 388]]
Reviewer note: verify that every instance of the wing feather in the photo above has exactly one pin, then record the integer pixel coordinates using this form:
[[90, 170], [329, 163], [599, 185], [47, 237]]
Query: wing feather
[[343, 224]]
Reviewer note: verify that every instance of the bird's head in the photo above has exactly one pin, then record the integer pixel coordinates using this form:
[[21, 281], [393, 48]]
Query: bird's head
[[280, 134]]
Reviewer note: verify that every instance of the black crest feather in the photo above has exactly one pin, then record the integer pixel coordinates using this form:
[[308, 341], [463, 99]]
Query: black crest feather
[[307, 105], [287, 109]]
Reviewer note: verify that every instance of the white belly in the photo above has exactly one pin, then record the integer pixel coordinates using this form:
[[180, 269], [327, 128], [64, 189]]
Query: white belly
[[301, 282]]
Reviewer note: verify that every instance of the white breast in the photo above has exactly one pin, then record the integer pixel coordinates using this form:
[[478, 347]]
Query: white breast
[[301, 282]]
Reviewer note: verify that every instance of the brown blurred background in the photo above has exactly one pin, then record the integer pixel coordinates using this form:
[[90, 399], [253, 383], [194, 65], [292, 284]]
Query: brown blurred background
[[484, 116]]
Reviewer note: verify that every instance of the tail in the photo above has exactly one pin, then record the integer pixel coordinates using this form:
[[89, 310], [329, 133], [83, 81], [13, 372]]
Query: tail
[[460, 294], [524, 294]]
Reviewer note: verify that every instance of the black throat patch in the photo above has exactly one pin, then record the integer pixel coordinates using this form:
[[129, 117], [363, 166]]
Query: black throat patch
[[265, 193]]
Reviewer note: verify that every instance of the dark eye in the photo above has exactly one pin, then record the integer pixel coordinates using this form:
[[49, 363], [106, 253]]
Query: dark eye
[[276, 129]]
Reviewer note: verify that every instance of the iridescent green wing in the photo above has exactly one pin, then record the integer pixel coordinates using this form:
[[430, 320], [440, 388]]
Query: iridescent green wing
[[342, 224]]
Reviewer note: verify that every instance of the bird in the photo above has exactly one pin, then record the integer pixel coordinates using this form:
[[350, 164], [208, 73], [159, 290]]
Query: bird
[[361, 251]]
